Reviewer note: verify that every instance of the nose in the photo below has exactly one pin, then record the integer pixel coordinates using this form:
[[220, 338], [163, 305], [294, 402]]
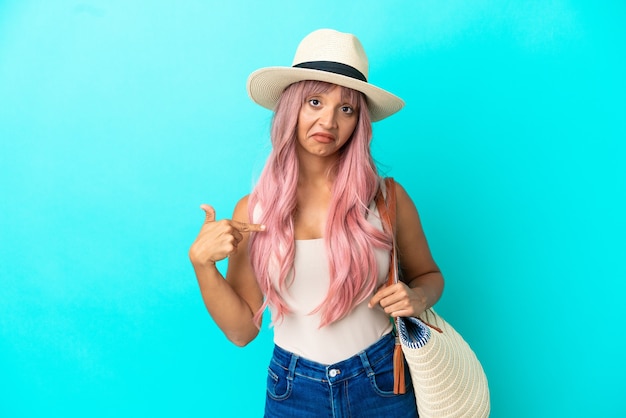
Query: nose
[[328, 117]]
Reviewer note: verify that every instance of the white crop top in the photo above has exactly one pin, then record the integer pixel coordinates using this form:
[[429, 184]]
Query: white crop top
[[299, 330]]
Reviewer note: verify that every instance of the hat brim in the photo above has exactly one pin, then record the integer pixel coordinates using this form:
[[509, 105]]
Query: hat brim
[[267, 84]]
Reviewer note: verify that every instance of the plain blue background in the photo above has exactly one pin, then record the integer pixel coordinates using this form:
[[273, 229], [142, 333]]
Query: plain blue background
[[119, 118]]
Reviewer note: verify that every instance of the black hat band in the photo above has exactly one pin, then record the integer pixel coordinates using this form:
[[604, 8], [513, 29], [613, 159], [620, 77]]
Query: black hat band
[[333, 67]]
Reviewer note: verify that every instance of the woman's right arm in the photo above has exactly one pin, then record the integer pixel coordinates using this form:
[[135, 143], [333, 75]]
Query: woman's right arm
[[232, 303]]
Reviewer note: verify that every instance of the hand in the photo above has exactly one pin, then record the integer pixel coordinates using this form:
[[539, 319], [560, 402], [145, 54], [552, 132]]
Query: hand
[[218, 239], [400, 300]]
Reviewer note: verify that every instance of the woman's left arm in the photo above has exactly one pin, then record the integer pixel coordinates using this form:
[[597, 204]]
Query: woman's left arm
[[421, 282]]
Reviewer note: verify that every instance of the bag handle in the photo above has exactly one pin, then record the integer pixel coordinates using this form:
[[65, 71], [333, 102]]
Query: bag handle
[[387, 212]]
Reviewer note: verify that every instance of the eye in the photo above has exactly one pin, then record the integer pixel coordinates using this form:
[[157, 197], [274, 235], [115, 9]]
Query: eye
[[314, 102], [347, 109]]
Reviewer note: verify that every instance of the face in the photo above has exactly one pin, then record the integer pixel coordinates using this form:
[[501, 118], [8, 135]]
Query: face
[[325, 123]]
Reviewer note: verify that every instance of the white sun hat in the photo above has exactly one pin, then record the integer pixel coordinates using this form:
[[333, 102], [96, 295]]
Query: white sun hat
[[330, 56]]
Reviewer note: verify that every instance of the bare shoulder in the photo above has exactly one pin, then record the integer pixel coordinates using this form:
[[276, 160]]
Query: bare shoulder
[[404, 203], [241, 210], [413, 251]]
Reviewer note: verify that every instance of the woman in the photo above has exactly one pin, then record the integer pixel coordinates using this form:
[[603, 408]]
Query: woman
[[308, 242]]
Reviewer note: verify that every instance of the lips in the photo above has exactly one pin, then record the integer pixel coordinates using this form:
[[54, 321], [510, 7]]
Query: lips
[[323, 137]]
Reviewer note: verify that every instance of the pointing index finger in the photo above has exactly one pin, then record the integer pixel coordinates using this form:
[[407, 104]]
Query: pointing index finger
[[247, 227]]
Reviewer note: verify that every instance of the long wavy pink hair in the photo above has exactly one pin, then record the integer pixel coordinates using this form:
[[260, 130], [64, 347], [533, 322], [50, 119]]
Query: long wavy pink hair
[[349, 238]]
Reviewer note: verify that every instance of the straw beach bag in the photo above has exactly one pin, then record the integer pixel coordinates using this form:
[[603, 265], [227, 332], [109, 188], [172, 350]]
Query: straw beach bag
[[448, 379]]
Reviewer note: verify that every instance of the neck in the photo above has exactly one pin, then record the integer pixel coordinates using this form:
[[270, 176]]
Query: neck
[[315, 170], [315, 173]]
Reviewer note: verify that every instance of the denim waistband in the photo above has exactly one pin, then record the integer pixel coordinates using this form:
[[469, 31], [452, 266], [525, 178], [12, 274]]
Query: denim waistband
[[337, 372]]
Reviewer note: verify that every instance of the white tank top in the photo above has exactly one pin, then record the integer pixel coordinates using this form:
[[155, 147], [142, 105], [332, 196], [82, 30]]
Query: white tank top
[[299, 330]]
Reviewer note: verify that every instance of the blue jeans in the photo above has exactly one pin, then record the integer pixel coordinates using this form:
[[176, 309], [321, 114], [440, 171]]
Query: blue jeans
[[361, 386]]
